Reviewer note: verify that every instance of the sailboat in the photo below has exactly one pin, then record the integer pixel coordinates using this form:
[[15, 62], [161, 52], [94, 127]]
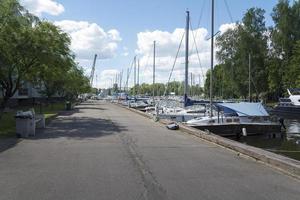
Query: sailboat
[[228, 119], [175, 112]]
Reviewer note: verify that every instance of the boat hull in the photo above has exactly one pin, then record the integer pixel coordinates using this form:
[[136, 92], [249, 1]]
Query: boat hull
[[179, 118], [287, 111], [237, 129]]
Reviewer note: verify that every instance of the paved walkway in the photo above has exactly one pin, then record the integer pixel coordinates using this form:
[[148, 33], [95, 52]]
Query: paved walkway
[[101, 151]]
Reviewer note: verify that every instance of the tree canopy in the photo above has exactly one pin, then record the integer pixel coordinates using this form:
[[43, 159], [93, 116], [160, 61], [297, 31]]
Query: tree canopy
[[36, 51], [273, 53]]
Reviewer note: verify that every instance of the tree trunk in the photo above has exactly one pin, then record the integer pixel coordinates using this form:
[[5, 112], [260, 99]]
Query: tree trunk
[[3, 105]]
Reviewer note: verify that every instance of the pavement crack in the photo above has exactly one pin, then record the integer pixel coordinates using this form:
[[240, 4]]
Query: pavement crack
[[153, 189]]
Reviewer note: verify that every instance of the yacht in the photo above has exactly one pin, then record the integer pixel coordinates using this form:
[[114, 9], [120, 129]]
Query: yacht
[[289, 106]]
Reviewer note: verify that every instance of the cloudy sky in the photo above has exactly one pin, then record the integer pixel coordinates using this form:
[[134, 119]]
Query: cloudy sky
[[118, 30]]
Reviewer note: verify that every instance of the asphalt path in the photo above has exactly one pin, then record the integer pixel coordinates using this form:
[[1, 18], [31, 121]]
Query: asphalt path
[[102, 151]]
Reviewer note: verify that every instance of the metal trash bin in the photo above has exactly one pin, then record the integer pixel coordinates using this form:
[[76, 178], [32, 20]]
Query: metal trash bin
[[68, 105], [25, 124]]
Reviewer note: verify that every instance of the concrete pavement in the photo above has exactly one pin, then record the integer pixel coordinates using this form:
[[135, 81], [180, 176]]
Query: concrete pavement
[[102, 151]]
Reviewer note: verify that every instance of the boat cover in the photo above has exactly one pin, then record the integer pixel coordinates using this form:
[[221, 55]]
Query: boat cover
[[243, 109]]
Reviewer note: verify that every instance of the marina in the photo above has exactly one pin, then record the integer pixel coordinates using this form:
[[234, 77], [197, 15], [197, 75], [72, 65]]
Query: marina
[[150, 100], [280, 138], [245, 121]]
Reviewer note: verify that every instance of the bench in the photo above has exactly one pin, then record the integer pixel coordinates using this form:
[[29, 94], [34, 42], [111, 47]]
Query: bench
[[40, 121]]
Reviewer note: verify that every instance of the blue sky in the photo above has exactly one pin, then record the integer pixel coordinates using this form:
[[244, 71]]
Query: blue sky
[[128, 18]]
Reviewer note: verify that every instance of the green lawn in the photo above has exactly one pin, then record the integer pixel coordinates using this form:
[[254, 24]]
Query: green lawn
[[8, 123]]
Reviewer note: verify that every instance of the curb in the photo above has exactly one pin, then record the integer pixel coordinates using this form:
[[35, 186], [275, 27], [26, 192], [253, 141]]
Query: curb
[[286, 165]]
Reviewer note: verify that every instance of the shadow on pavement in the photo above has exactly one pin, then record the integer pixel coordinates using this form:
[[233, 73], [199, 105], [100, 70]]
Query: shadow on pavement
[[7, 143], [81, 107], [79, 128]]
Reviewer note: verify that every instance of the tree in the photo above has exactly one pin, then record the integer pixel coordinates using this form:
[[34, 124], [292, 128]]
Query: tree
[[281, 46], [50, 74], [76, 83], [284, 36], [292, 78], [253, 41], [235, 46], [38, 52], [18, 50]]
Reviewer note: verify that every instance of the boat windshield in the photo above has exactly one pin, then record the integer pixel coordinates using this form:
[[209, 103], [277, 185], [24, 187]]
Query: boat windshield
[[295, 91]]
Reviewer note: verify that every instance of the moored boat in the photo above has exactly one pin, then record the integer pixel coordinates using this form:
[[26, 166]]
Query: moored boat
[[237, 118], [289, 106]]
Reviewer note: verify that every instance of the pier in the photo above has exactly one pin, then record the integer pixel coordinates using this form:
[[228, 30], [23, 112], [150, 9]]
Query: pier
[[103, 151]]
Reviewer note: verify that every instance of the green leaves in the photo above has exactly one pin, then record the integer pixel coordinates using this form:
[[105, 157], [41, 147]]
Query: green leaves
[[235, 46], [274, 52], [292, 74], [36, 51]]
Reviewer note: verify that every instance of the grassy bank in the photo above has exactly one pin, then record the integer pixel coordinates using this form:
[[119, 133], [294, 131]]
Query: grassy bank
[[8, 123]]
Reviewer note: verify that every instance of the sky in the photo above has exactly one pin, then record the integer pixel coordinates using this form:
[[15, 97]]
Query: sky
[[119, 30]]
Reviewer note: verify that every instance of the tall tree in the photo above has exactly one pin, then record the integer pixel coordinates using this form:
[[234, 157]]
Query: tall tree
[[57, 61], [292, 78], [18, 50], [235, 46], [281, 46]]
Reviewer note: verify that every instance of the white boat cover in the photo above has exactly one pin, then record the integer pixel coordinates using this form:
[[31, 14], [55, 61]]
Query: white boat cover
[[244, 108]]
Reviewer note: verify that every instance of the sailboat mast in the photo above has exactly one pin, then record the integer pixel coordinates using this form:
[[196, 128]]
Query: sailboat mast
[[186, 83], [249, 77], [127, 88], [138, 73], [134, 89], [212, 57], [154, 44], [121, 78]]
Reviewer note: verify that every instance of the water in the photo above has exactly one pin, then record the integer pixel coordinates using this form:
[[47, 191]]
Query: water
[[287, 144]]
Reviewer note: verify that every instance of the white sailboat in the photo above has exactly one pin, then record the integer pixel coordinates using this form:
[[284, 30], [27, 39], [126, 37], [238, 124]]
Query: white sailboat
[[237, 118], [233, 118]]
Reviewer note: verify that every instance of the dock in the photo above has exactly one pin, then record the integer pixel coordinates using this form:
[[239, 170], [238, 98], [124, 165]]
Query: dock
[[103, 151]]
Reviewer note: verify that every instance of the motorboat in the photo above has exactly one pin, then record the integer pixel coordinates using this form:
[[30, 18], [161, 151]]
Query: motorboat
[[289, 106], [139, 105]]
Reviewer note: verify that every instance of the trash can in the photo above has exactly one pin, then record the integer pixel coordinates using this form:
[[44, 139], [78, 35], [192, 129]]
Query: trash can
[[25, 124], [68, 105]]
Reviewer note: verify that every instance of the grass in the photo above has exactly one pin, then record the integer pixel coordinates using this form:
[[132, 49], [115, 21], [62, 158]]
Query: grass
[[7, 125], [8, 122]]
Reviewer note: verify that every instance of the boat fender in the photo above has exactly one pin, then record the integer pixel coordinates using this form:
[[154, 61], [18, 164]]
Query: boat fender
[[244, 130], [173, 126]]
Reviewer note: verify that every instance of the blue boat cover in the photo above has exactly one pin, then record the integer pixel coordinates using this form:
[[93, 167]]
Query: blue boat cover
[[243, 109]]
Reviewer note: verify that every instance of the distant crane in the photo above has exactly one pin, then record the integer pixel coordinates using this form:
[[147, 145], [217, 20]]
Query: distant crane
[[93, 71]]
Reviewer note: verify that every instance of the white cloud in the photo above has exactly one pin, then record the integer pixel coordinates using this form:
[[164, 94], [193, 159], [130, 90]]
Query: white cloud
[[125, 51], [38, 7], [107, 78], [89, 39], [224, 27], [167, 44], [125, 54]]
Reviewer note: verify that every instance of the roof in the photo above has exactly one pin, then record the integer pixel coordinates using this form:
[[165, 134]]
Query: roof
[[243, 108]]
